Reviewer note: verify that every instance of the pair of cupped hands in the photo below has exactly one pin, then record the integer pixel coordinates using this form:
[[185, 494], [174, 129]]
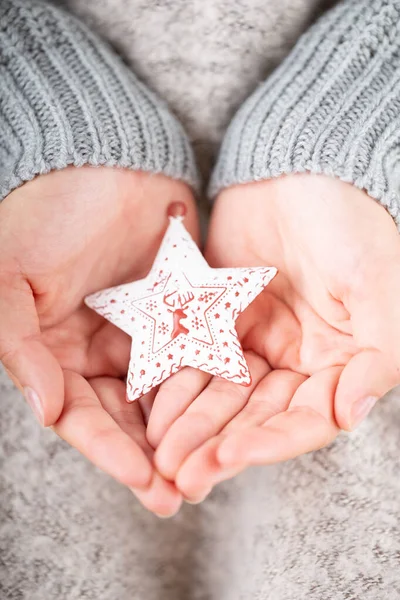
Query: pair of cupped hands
[[322, 341]]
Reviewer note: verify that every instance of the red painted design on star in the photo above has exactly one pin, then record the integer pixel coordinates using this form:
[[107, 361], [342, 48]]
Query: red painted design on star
[[172, 315]]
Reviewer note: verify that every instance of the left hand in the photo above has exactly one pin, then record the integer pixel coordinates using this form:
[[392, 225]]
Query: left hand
[[63, 236], [321, 340]]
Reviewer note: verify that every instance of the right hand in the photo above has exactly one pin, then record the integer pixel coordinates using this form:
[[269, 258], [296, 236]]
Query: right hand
[[63, 236], [322, 340]]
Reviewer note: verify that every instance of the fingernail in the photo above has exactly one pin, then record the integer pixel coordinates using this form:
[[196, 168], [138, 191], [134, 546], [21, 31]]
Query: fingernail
[[35, 403], [170, 516], [198, 500], [194, 502], [361, 409]]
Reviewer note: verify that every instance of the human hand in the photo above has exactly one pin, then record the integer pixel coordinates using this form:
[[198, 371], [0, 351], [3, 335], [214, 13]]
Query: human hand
[[63, 236], [321, 340]]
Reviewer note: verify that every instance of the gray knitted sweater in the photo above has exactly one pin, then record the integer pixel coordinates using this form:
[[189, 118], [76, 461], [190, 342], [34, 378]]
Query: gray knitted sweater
[[331, 107]]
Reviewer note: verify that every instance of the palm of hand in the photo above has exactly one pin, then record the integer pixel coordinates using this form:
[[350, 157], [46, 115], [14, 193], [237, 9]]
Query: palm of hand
[[60, 251], [319, 339]]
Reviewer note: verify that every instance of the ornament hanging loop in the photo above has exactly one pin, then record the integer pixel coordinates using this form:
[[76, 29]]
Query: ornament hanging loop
[[177, 210]]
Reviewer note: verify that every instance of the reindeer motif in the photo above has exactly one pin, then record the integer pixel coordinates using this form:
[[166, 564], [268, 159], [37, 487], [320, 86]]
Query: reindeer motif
[[178, 303]]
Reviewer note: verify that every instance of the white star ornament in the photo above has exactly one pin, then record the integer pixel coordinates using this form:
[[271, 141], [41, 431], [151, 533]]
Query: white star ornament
[[182, 314]]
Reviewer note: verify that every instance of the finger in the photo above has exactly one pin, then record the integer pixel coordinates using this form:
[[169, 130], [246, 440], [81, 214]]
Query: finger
[[160, 497], [172, 399], [217, 404], [30, 363], [146, 404], [375, 318], [111, 394], [90, 429], [368, 376], [271, 396], [375, 314], [201, 470], [307, 425]]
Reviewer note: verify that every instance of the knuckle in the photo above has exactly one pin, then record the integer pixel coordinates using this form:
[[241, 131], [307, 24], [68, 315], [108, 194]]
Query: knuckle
[[7, 354], [205, 419], [77, 404], [127, 417], [326, 431], [255, 407], [225, 388], [172, 387]]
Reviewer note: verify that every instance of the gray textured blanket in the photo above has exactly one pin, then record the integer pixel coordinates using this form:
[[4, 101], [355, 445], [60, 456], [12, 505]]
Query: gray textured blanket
[[323, 527]]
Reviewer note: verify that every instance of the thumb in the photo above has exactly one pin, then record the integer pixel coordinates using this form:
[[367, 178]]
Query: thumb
[[367, 377], [29, 363], [375, 369]]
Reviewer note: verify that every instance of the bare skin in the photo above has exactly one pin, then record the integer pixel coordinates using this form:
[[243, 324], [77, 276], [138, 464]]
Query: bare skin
[[321, 341], [63, 236]]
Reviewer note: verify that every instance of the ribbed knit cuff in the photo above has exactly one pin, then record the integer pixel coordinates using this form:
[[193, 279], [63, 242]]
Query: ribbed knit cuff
[[332, 107], [67, 99]]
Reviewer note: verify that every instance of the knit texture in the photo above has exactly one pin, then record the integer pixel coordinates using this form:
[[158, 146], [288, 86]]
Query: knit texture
[[204, 57], [332, 107], [66, 99]]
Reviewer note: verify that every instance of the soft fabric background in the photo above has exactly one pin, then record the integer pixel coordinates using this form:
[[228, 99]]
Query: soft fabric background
[[323, 527], [203, 57]]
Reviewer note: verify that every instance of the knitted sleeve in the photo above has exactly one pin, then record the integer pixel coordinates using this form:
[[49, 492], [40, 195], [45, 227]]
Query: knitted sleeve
[[332, 107], [67, 99]]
